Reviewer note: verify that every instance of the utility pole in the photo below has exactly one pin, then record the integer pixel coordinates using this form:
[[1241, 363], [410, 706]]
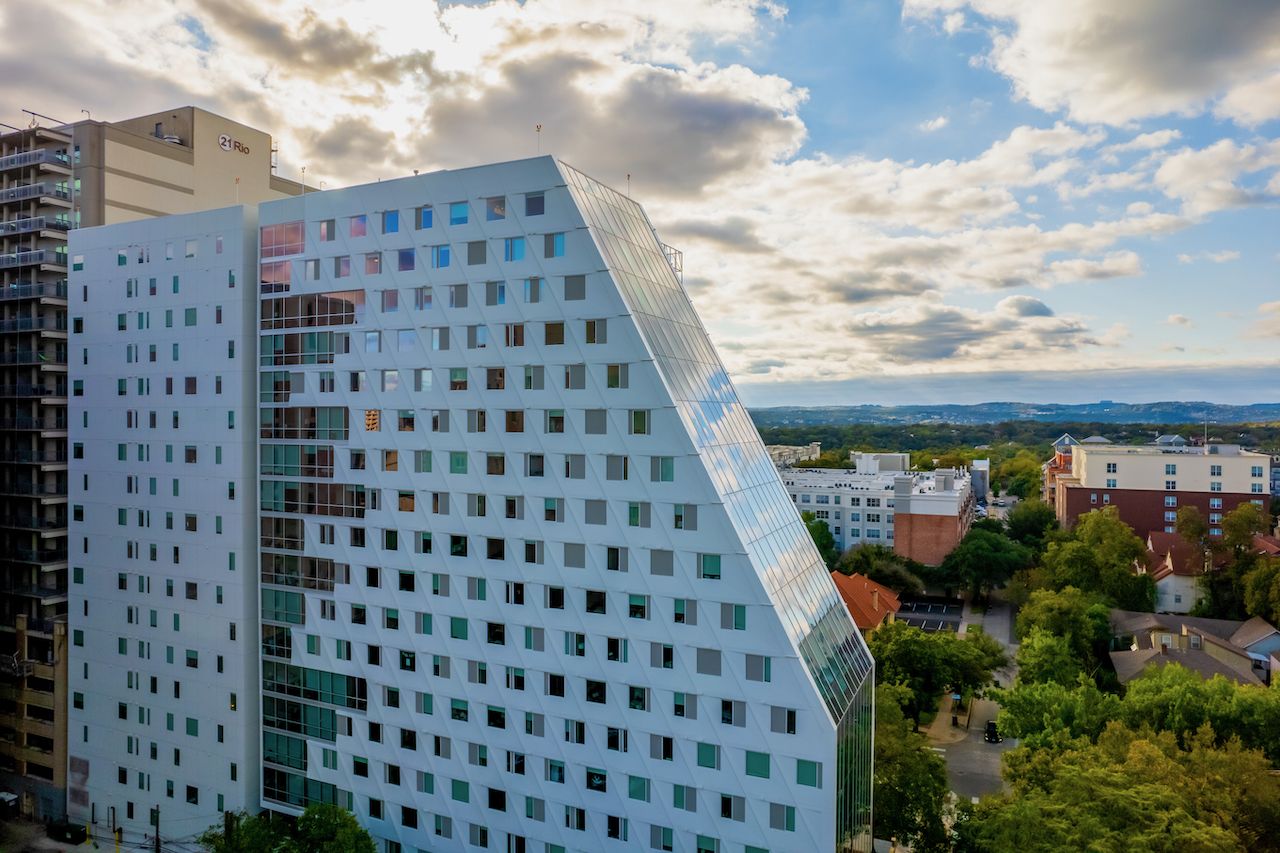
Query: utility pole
[[155, 824]]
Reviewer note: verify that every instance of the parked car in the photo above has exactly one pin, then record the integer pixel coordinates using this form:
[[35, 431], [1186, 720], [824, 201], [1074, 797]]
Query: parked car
[[999, 501], [992, 734]]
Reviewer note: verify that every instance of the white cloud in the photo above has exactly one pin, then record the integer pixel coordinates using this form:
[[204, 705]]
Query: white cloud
[[1222, 257], [866, 254], [1117, 62], [1224, 174], [1178, 320], [933, 124]]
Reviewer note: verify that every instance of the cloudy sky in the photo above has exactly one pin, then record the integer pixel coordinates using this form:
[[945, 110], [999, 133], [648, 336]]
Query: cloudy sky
[[878, 200]]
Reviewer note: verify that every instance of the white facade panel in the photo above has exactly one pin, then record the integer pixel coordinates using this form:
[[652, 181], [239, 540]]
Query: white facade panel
[[163, 600]]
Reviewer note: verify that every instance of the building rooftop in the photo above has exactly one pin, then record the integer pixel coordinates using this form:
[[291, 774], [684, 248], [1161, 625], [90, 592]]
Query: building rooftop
[[868, 602], [1252, 631], [1140, 624], [1159, 449], [1131, 664], [837, 479]]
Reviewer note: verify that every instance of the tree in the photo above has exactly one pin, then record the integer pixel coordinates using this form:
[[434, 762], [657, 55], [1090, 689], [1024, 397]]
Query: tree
[[1173, 699], [1119, 794], [1047, 657], [983, 561], [882, 565], [989, 524], [331, 829], [1239, 527], [1081, 619], [1046, 712], [248, 833], [822, 538], [1262, 590], [322, 828], [1192, 527], [927, 664], [1098, 556], [1030, 522], [910, 779]]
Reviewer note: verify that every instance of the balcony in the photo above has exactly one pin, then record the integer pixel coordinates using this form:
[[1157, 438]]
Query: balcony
[[41, 257], [34, 158], [33, 522], [33, 489], [39, 555], [30, 423], [32, 356], [29, 191], [34, 324], [35, 457], [31, 224], [33, 391], [42, 290]]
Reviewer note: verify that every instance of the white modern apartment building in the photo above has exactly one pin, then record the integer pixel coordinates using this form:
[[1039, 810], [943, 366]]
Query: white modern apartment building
[[163, 604], [922, 515], [530, 581]]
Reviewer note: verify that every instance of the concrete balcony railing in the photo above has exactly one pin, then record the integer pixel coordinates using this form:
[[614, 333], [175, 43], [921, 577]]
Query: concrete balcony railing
[[51, 290]]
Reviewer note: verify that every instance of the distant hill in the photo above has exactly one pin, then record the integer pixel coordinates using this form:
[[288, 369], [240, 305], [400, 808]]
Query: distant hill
[[1104, 411]]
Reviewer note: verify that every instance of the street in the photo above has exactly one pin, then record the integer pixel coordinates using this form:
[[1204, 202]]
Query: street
[[973, 765]]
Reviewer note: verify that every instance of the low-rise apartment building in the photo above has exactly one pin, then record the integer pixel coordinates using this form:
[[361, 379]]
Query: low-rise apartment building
[[922, 515], [1149, 483]]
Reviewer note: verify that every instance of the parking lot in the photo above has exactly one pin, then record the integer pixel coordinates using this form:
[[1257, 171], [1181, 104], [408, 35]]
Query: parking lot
[[931, 613]]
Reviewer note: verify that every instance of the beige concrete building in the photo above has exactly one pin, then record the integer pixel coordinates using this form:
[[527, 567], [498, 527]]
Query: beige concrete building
[[53, 179], [1149, 483]]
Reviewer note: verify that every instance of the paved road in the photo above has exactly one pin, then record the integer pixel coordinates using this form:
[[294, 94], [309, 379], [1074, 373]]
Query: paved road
[[973, 765]]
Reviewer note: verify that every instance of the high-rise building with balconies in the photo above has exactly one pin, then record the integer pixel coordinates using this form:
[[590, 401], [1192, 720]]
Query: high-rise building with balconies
[[53, 179]]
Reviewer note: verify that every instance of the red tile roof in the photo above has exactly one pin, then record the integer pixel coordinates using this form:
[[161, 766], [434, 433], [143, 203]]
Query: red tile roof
[[1266, 544], [1170, 554], [869, 603]]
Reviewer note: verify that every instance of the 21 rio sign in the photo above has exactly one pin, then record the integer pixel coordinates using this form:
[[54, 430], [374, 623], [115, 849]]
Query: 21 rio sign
[[226, 143]]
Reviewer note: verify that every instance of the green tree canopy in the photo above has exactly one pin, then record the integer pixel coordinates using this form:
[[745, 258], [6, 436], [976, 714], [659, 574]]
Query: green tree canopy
[[1098, 556], [1240, 525], [822, 538], [927, 664], [982, 561], [1081, 619], [910, 779], [322, 828], [1132, 790], [1262, 590], [882, 565], [1030, 522], [1047, 657]]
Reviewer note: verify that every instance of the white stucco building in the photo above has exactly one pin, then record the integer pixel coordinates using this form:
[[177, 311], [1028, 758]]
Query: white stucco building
[[922, 515], [163, 670]]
